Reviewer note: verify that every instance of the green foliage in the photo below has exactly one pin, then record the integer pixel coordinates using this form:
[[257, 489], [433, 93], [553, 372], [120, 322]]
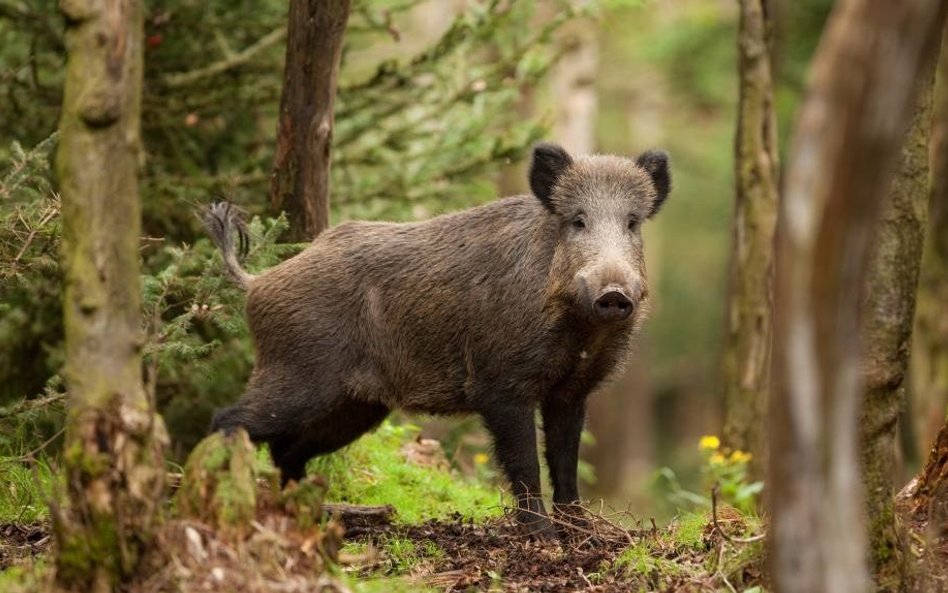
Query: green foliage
[[689, 551], [689, 529], [640, 559], [374, 471], [695, 52], [24, 579], [388, 585], [420, 128], [404, 555], [219, 484], [25, 491], [198, 349], [729, 472], [30, 317], [726, 470], [424, 129]]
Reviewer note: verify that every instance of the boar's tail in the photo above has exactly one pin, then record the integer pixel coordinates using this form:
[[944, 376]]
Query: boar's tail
[[223, 220]]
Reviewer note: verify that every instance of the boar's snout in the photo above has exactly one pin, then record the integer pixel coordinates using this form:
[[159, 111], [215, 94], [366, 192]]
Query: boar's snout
[[613, 305], [614, 300]]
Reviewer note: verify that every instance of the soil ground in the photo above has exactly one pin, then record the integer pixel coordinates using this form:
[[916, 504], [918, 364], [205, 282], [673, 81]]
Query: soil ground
[[451, 555], [459, 555], [22, 543], [593, 554]]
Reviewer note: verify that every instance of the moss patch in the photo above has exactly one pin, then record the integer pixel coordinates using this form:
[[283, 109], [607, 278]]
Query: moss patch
[[373, 471], [220, 482]]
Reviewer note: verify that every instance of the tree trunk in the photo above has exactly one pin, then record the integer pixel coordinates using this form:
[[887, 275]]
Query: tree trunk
[[930, 492], [573, 83], [747, 349], [300, 181], [930, 343], [113, 452], [896, 256], [930, 496], [845, 147]]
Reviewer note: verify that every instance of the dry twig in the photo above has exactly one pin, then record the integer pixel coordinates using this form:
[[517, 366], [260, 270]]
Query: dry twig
[[717, 527]]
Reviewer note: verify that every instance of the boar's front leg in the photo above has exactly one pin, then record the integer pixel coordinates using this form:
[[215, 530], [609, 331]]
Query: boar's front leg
[[563, 418], [515, 443]]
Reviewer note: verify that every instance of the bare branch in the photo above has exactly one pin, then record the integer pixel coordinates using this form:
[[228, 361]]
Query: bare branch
[[180, 79]]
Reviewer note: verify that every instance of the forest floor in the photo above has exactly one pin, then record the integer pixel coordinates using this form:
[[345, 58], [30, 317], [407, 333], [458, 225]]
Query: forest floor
[[596, 555], [438, 530], [455, 554], [448, 532]]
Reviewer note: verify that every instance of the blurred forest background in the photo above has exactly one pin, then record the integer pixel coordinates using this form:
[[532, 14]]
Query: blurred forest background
[[438, 104]]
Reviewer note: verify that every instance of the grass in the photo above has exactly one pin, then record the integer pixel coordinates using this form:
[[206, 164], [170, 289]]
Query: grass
[[688, 552], [405, 554], [23, 579], [24, 490], [640, 558], [386, 585], [373, 471], [689, 529]]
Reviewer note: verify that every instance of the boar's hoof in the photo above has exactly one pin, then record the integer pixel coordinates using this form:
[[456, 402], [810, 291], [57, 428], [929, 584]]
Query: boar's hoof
[[539, 528]]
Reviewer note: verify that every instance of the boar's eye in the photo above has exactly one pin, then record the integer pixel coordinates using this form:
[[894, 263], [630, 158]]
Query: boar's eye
[[633, 222], [579, 223]]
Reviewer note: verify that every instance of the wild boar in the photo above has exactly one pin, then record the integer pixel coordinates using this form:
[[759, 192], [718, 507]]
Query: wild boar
[[526, 302]]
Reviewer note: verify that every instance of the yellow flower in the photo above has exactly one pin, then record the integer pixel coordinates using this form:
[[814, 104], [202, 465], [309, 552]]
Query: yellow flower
[[481, 458], [718, 459], [740, 457], [709, 443]]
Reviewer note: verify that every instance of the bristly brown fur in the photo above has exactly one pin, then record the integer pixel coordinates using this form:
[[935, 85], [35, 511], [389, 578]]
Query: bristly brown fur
[[489, 310]]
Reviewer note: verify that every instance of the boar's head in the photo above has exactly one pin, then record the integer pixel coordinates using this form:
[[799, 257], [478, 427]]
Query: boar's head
[[600, 203]]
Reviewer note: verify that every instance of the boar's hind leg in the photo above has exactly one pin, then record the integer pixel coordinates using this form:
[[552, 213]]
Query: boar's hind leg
[[562, 426], [515, 443], [324, 433]]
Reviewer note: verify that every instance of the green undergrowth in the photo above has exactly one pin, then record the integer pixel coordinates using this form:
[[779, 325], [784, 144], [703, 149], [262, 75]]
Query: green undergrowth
[[384, 584], [400, 555], [689, 551], [375, 471], [27, 578], [24, 490]]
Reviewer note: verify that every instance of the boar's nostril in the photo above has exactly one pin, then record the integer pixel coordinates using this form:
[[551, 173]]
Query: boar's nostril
[[613, 305]]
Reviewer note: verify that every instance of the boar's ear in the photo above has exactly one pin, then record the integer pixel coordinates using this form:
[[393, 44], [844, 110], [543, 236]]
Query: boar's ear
[[549, 162], [655, 163]]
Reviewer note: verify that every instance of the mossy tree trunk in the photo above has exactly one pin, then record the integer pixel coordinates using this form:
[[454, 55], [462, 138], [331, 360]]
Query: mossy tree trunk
[[749, 317], [844, 151], [300, 181], [930, 342], [113, 453], [930, 498], [892, 282]]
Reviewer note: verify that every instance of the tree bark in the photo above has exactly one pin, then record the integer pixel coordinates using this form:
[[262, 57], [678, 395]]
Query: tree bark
[[929, 492], [573, 83], [300, 181], [749, 314], [930, 343], [896, 256], [113, 451], [845, 147], [930, 347]]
